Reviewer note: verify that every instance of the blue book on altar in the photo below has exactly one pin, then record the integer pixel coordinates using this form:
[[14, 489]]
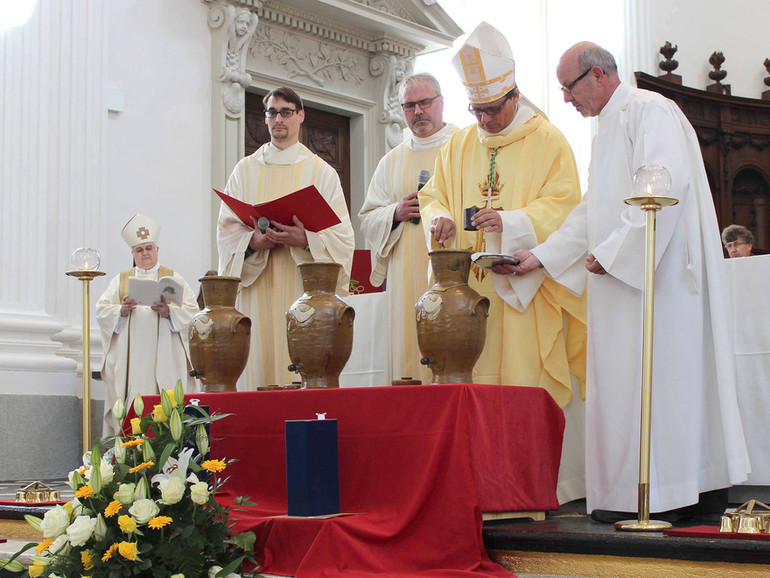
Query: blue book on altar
[[312, 467]]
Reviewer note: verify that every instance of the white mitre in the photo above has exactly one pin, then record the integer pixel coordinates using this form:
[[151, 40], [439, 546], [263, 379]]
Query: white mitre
[[140, 229], [485, 65]]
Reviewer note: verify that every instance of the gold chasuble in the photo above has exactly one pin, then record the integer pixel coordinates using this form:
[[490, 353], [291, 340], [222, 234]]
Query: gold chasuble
[[270, 281], [536, 330]]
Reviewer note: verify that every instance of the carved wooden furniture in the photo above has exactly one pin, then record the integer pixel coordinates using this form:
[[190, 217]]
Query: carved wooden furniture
[[734, 134]]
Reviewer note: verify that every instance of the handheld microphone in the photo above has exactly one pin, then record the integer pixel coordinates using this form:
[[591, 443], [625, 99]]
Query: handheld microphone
[[422, 178], [264, 224]]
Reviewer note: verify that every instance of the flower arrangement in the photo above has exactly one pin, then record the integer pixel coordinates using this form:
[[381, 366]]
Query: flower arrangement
[[146, 507]]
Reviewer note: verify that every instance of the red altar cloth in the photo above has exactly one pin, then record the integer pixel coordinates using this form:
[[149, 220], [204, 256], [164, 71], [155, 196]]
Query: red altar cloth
[[418, 465]]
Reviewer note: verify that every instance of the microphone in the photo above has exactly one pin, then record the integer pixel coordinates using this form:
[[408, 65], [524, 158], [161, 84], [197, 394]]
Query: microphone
[[422, 178], [264, 224]]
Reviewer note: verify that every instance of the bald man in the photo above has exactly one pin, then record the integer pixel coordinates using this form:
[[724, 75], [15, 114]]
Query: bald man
[[697, 438]]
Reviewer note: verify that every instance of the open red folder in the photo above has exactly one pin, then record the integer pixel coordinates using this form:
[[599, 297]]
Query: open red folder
[[307, 204]]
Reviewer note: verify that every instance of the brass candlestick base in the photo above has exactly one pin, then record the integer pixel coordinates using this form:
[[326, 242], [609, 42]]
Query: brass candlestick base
[[651, 204], [86, 276]]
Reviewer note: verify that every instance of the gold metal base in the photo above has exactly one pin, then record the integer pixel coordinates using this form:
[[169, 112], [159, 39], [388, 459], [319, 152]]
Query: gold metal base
[[650, 202], [642, 526]]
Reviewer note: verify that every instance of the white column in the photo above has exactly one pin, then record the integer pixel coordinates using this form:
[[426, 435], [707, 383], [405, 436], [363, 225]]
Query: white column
[[52, 142]]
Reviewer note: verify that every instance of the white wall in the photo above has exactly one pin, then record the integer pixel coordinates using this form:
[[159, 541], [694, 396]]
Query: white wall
[[737, 29], [159, 146]]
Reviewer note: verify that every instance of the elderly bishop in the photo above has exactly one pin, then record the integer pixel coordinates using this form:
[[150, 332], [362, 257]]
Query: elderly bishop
[[145, 346]]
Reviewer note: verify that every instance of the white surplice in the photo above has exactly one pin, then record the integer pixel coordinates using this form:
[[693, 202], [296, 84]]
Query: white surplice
[[697, 439], [399, 254], [142, 352]]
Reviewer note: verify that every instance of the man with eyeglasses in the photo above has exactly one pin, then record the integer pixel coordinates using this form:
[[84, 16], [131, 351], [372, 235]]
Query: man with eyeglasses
[[519, 172], [697, 439], [145, 346], [267, 261], [390, 220], [738, 241]]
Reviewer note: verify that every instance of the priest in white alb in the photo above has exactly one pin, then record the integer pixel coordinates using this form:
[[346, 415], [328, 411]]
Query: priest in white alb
[[145, 346], [390, 221], [697, 441], [267, 261]]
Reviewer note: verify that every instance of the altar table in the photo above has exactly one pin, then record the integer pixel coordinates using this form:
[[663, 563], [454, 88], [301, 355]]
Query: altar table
[[749, 278], [418, 465]]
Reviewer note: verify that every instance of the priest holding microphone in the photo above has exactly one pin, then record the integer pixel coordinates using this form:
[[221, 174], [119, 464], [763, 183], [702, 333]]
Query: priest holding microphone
[[390, 220]]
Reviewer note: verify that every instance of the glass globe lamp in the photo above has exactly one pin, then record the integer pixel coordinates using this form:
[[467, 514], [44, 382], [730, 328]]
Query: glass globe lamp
[[85, 259], [652, 181]]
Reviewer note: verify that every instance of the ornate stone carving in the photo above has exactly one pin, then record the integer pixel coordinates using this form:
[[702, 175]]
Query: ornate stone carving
[[241, 25], [388, 8], [766, 94], [392, 116], [318, 61], [308, 24]]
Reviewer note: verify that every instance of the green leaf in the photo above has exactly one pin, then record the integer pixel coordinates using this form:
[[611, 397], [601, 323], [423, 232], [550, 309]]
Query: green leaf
[[165, 455], [245, 541], [231, 567]]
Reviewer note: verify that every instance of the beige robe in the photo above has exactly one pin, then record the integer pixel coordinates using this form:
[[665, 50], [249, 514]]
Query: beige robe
[[270, 282], [400, 254], [142, 352]]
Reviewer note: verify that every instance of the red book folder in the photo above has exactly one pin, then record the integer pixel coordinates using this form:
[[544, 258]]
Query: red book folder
[[307, 204]]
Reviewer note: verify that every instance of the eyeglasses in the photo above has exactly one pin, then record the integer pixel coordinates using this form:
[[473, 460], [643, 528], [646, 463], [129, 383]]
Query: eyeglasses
[[477, 112], [284, 112], [567, 88], [424, 104], [734, 244]]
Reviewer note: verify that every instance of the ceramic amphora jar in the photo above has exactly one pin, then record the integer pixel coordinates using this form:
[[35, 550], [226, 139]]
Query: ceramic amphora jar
[[319, 327], [451, 319], [219, 336]]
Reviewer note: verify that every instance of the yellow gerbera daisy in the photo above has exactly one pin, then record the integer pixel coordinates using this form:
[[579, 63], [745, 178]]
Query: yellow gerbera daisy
[[112, 508], [159, 521], [84, 491], [44, 545], [110, 551], [133, 443], [141, 466], [214, 466], [87, 558]]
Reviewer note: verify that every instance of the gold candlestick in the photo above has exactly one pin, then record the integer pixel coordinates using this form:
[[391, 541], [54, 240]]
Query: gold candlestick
[[651, 204], [85, 262]]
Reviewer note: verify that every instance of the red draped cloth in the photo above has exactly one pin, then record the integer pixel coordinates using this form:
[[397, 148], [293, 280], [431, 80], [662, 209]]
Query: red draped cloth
[[417, 465]]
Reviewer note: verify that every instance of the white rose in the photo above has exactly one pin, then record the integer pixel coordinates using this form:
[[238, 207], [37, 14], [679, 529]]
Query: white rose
[[144, 510], [124, 494], [199, 493], [108, 472], [172, 490], [60, 545], [54, 522], [80, 530]]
